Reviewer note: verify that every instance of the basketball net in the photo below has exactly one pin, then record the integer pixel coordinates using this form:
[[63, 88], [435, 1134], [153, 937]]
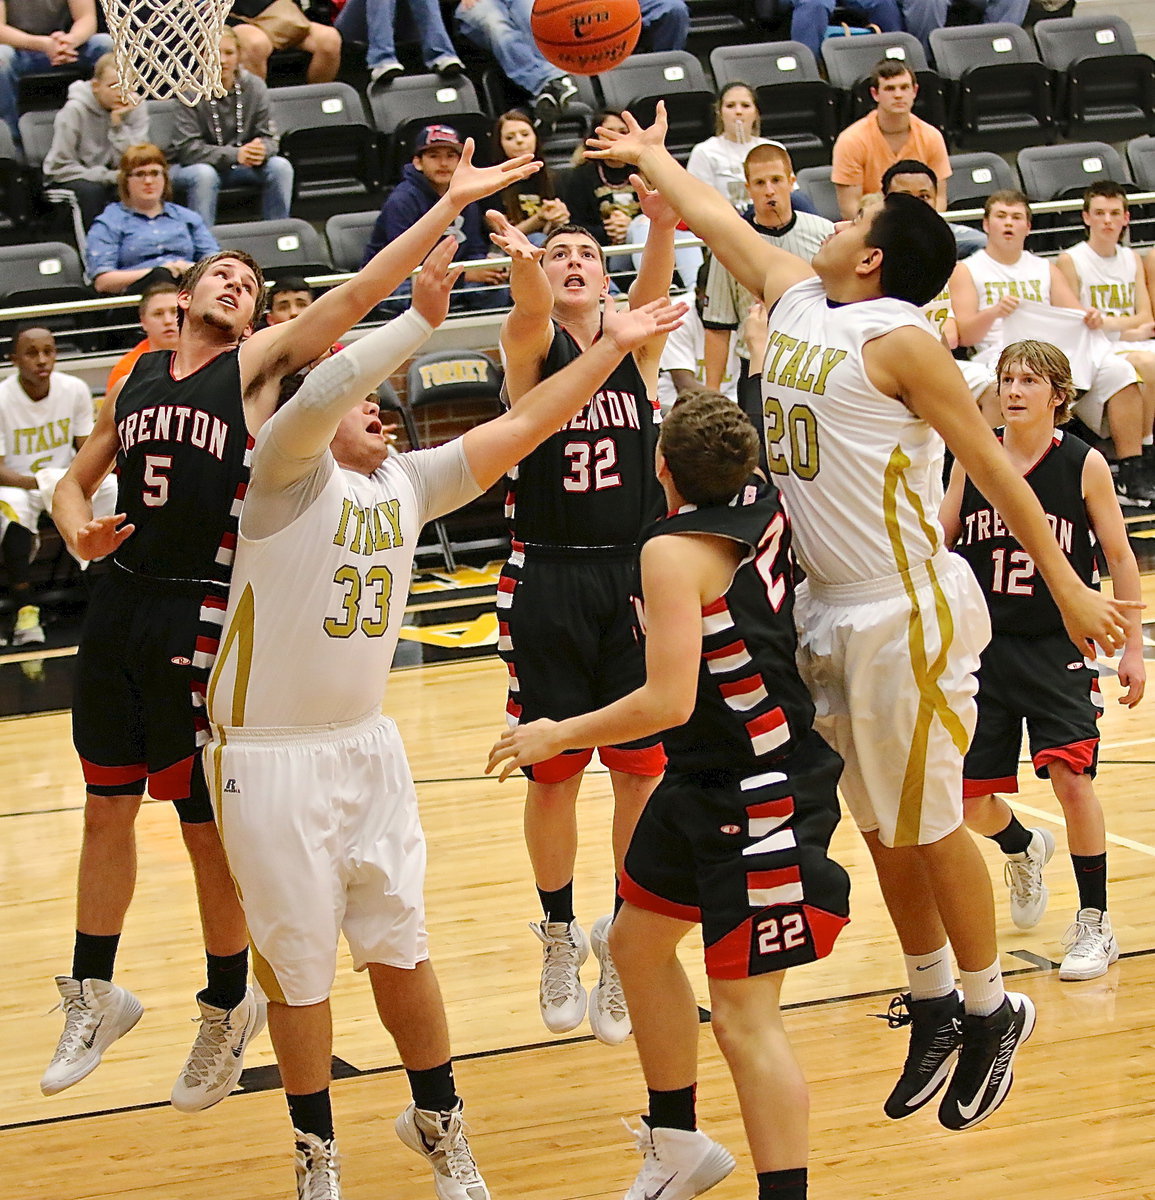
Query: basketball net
[[167, 49]]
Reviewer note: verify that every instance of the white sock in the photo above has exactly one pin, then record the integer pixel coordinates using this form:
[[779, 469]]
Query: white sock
[[930, 975], [983, 991]]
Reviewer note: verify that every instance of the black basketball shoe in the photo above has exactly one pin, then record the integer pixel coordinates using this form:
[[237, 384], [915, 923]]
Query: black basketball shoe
[[984, 1074], [935, 1034]]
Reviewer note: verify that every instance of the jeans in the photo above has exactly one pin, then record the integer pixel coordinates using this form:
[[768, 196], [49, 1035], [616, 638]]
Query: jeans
[[665, 24], [811, 17], [501, 27], [14, 63], [924, 15], [373, 21], [967, 240], [202, 184]]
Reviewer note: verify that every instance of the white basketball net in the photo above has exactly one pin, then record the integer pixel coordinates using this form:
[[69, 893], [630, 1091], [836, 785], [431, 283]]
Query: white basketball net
[[168, 49]]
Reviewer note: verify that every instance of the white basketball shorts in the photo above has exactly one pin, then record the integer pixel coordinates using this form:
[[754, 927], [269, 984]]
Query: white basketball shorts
[[891, 664], [322, 834]]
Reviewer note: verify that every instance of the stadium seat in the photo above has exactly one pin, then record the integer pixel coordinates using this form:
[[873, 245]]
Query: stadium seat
[[849, 62], [40, 91], [798, 108], [36, 134], [281, 247], [161, 123], [815, 182], [468, 384], [42, 273], [416, 100], [13, 185], [348, 234], [1106, 89], [1001, 95], [1063, 172], [326, 136], [1141, 156], [674, 76], [975, 176]]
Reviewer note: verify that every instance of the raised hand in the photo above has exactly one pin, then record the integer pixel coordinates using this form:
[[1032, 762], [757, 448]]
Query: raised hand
[[101, 536], [628, 146], [435, 281], [507, 237], [630, 328], [471, 183], [654, 204], [524, 745]]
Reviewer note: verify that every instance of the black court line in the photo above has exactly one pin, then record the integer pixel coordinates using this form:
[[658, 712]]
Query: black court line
[[342, 1069]]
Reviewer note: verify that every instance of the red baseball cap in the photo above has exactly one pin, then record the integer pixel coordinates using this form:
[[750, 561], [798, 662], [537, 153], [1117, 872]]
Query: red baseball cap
[[437, 135]]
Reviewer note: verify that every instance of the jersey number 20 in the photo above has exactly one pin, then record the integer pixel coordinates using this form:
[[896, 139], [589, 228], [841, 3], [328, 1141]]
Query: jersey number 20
[[800, 457]]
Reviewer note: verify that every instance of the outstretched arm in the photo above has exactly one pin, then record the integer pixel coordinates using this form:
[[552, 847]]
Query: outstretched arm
[[764, 270], [526, 333], [915, 367], [284, 349], [491, 449]]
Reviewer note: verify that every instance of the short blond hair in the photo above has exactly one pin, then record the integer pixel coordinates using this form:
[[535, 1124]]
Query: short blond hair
[[1048, 361]]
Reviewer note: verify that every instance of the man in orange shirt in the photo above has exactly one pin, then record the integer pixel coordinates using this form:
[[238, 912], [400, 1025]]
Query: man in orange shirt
[[158, 320], [866, 148]]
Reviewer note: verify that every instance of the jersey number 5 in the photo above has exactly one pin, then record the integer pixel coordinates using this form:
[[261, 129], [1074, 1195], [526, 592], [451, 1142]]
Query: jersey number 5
[[155, 492], [604, 456]]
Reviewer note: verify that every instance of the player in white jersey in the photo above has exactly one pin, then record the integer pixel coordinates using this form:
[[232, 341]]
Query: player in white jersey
[[309, 781], [988, 287], [855, 384], [45, 417], [1109, 277]]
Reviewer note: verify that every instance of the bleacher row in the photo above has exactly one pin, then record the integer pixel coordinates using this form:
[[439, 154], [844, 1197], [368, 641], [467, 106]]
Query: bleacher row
[[997, 88]]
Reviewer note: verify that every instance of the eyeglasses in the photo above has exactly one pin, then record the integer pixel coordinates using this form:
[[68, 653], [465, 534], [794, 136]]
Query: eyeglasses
[[149, 173]]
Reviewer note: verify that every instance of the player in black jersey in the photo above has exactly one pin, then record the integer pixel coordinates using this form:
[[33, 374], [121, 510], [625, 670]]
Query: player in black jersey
[[577, 507], [736, 834], [1031, 671], [179, 429]]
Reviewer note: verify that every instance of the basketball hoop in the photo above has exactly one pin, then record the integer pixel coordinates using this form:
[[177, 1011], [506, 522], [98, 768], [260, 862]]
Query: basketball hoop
[[168, 49]]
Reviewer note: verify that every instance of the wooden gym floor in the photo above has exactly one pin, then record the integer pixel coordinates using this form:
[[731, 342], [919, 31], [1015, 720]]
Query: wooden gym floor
[[545, 1111]]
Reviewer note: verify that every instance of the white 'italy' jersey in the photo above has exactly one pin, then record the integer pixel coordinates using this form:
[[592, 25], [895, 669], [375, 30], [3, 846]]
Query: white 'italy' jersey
[[1107, 284], [38, 434], [861, 473], [939, 310], [315, 609], [1029, 279]]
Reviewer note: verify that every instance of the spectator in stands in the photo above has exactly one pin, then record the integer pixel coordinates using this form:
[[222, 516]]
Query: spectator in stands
[[374, 21], [769, 183], [266, 25], [501, 28], [809, 18], [424, 181], [144, 234], [287, 298], [917, 179], [921, 16], [158, 319], [865, 148], [1004, 294], [598, 192], [720, 160], [532, 205], [40, 35], [90, 133], [1108, 276], [231, 142], [45, 417], [682, 368]]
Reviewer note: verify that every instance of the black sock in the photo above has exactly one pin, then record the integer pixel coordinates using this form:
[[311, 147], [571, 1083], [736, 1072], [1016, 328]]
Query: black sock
[[1091, 879], [558, 906], [1014, 839], [228, 979], [782, 1185], [618, 901], [673, 1110], [312, 1113], [434, 1089], [94, 955]]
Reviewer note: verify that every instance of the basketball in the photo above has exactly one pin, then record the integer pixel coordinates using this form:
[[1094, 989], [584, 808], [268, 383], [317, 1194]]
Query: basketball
[[586, 37]]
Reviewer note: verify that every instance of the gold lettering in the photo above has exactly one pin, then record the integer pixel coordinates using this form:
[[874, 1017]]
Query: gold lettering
[[781, 342], [830, 359], [391, 510], [343, 525], [789, 374], [805, 379]]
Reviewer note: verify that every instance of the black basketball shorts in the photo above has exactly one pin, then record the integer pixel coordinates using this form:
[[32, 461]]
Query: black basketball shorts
[[746, 856], [1047, 683], [135, 715], [566, 632]]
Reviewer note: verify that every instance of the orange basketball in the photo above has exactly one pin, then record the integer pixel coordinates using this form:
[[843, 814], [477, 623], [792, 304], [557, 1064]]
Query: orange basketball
[[586, 37]]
